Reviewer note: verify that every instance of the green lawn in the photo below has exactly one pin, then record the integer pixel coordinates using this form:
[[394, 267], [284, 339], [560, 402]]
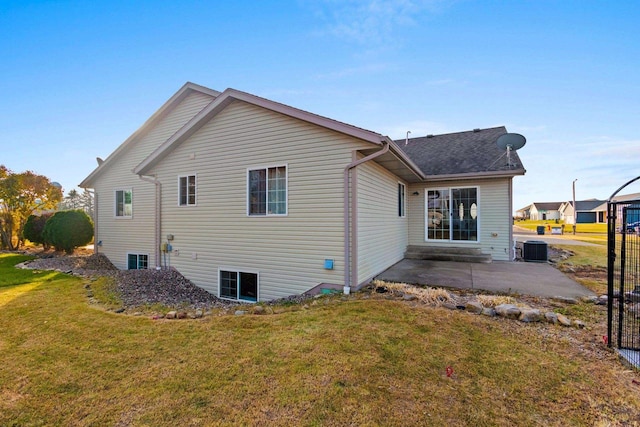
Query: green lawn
[[568, 228], [353, 361]]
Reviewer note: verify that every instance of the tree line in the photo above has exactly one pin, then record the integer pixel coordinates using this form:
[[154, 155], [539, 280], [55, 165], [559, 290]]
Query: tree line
[[27, 197]]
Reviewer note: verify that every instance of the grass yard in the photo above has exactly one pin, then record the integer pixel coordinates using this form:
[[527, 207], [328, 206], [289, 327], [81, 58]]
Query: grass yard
[[600, 228], [357, 361]]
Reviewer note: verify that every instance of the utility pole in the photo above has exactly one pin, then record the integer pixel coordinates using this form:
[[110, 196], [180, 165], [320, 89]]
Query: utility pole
[[575, 211]]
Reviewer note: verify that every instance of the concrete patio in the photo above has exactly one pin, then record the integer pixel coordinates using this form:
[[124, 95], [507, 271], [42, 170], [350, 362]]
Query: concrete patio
[[535, 279]]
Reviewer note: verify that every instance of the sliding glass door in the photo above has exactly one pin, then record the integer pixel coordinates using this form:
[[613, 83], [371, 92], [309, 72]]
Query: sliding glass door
[[451, 214]]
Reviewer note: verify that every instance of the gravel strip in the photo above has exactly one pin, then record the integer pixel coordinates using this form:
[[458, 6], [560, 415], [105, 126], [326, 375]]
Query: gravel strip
[[138, 288]]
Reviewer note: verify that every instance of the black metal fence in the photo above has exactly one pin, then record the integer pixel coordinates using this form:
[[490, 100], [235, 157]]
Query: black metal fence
[[623, 326]]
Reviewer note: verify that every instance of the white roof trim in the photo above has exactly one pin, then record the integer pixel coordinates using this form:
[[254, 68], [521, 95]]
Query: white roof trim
[[230, 95]]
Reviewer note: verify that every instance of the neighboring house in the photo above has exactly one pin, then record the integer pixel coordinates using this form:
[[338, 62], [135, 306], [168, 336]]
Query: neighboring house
[[523, 213], [602, 209], [587, 212], [251, 199], [545, 211]]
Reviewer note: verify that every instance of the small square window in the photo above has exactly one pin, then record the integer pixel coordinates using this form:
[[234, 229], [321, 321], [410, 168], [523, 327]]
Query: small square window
[[137, 261]]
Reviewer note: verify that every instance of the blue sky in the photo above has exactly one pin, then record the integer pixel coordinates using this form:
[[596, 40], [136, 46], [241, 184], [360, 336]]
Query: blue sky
[[77, 77]]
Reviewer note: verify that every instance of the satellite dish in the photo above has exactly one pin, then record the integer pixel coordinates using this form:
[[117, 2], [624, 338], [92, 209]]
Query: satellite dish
[[510, 142]]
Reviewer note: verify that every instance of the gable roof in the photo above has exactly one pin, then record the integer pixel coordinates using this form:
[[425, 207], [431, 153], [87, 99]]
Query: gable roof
[[547, 206], [462, 154], [587, 205], [231, 95], [162, 112]]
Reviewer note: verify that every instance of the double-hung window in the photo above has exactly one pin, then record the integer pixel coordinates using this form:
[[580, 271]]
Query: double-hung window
[[124, 203], [267, 191], [238, 285], [187, 190]]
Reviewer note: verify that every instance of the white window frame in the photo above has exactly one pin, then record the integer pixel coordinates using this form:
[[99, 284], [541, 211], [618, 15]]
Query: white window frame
[[402, 200], [138, 255], [195, 194], [115, 204], [450, 190], [286, 195], [238, 271]]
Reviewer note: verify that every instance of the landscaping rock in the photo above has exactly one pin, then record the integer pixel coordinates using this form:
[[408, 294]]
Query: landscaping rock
[[171, 315], [182, 315], [409, 297], [258, 309], [510, 311], [551, 317], [474, 307], [449, 305], [530, 315], [579, 324], [632, 296], [563, 320], [566, 300], [240, 312], [602, 300], [489, 311]]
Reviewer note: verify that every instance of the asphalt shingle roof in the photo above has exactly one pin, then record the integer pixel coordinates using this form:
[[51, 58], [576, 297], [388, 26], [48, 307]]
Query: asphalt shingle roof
[[467, 152], [547, 206]]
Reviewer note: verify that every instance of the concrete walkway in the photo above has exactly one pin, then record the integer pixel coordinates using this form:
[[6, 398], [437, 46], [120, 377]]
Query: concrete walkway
[[536, 279]]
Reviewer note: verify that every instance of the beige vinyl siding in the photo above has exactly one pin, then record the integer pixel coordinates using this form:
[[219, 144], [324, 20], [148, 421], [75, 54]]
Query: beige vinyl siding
[[494, 216], [382, 234], [288, 251], [121, 236]]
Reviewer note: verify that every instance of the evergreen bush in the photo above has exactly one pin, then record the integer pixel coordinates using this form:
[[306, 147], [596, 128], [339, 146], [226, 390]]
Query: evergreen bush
[[34, 227], [67, 230]]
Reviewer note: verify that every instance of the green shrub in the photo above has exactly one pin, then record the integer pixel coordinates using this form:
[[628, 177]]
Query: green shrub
[[34, 227], [67, 230]]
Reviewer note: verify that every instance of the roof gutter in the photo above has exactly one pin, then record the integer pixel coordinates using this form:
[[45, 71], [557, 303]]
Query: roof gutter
[[157, 217], [347, 227], [476, 175]]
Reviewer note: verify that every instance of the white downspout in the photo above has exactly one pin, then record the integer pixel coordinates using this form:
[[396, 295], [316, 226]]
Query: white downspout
[[158, 237], [94, 218], [347, 228], [96, 249]]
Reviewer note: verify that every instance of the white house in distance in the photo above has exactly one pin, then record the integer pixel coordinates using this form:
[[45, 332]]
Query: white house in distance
[[254, 200], [540, 211]]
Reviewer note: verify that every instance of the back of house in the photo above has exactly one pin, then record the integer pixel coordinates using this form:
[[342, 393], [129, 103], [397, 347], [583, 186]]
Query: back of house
[[251, 199]]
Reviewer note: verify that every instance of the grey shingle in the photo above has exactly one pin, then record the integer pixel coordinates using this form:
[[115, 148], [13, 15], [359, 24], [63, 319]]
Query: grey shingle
[[461, 153]]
